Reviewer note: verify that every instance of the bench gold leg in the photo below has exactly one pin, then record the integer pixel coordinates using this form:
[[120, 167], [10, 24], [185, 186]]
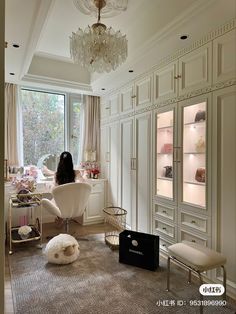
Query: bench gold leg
[[168, 274], [201, 296], [189, 276], [224, 281]]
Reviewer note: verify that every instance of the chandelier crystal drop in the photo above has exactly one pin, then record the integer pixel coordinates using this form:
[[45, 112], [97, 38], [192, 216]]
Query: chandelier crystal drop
[[98, 48]]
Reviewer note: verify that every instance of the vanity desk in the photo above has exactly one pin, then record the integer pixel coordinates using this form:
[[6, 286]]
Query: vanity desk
[[93, 213]]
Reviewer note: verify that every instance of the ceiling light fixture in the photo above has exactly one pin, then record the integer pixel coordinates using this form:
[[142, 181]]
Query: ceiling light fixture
[[98, 48]]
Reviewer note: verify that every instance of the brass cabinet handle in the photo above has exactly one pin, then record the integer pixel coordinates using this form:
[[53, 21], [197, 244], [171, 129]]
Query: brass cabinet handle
[[193, 222], [133, 96], [179, 76], [176, 77]]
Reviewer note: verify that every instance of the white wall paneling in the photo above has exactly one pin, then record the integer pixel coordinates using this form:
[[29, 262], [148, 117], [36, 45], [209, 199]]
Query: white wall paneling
[[225, 171], [224, 60]]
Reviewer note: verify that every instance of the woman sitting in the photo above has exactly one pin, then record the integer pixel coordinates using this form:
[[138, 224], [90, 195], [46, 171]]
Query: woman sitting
[[65, 174], [65, 171]]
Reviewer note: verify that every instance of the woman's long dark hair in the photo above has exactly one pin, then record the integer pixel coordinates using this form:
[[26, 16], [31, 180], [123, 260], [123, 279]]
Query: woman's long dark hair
[[65, 169]]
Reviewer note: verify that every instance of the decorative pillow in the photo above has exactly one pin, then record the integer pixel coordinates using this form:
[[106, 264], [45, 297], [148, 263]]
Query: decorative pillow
[[62, 249]]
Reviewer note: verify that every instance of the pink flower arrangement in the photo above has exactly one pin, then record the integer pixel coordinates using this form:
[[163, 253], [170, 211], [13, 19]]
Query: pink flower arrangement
[[91, 169]]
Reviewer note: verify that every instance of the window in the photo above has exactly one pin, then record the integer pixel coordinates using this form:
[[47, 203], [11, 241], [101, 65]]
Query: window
[[51, 124]]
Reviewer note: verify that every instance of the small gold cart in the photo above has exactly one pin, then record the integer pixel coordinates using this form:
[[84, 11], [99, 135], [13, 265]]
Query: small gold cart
[[115, 216], [32, 201]]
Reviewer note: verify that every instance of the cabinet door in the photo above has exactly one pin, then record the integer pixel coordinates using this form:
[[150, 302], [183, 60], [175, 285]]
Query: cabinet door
[[126, 99], [165, 82], [127, 169], [114, 105], [104, 108], [224, 61], [225, 176], [143, 92], [195, 69], [94, 210], [104, 152], [165, 152], [114, 160], [192, 154], [143, 126]]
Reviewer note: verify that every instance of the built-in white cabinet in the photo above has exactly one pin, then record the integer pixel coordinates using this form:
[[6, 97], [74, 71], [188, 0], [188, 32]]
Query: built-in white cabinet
[[182, 154], [172, 163], [94, 210], [127, 99], [136, 171], [113, 159], [224, 177], [190, 72], [195, 69], [104, 151], [143, 91], [166, 81], [114, 104], [143, 167], [224, 60], [104, 108], [127, 183]]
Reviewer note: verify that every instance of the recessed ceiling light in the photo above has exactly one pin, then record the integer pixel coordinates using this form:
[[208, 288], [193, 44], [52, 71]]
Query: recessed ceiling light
[[183, 37], [103, 88], [131, 71], [11, 73], [15, 45]]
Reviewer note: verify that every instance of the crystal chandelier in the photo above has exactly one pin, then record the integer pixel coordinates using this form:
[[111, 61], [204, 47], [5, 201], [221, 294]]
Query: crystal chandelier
[[98, 48]]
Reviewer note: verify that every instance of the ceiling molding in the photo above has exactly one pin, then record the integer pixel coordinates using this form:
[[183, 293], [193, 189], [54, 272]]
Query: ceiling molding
[[52, 56], [41, 17], [66, 85]]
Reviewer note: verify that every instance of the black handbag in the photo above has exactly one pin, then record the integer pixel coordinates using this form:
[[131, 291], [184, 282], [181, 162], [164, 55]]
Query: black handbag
[[200, 116], [168, 172], [139, 249]]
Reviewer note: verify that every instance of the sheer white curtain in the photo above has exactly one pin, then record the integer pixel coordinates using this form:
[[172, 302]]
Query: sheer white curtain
[[91, 129], [13, 126]]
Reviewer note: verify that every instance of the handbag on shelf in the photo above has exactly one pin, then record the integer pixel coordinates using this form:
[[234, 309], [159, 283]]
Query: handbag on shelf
[[168, 172], [167, 148], [200, 116], [200, 175], [200, 145]]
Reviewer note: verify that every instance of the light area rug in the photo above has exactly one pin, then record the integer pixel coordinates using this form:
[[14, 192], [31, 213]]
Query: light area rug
[[98, 284]]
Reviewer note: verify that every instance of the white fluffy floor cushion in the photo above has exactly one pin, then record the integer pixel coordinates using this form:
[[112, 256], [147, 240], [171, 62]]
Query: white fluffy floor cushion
[[62, 249]]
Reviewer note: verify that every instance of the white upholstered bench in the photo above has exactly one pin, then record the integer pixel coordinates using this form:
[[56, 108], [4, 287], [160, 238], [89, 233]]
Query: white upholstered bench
[[195, 258]]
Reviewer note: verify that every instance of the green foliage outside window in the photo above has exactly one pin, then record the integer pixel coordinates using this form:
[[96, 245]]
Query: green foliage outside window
[[43, 124]]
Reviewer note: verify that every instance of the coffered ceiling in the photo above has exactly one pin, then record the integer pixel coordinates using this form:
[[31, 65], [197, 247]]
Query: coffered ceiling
[[153, 27]]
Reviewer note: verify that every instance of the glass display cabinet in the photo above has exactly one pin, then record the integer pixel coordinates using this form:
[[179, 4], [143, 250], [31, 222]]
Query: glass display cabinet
[[194, 154], [164, 154], [181, 136]]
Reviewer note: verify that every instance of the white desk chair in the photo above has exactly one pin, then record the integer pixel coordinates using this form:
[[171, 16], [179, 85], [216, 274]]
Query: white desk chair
[[69, 201]]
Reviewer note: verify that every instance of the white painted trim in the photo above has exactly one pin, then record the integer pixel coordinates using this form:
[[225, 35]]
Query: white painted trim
[[41, 16], [42, 80], [47, 55]]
